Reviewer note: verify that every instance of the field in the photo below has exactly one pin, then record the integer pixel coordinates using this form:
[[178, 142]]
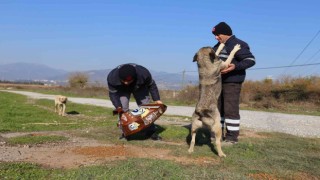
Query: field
[[36, 143]]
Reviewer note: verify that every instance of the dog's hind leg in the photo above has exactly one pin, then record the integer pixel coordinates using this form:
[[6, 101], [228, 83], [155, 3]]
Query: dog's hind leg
[[59, 109], [218, 133], [56, 110], [216, 129], [196, 124], [193, 134]]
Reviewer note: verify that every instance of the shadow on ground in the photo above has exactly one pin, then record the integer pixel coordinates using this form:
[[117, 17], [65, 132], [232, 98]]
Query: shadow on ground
[[203, 137]]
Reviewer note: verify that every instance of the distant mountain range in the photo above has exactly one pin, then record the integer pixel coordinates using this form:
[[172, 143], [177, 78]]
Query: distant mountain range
[[43, 73]]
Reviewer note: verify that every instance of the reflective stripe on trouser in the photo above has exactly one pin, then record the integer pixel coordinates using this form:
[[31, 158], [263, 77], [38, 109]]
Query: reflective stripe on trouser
[[233, 128]]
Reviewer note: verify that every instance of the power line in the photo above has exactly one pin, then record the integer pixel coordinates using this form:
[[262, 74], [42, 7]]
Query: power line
[[305, 48], [312, 56], [275, 67], [186, 71], [314, 37], [310, 61]]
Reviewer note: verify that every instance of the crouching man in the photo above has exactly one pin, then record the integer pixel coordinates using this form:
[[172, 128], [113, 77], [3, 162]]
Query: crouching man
[[127, 79]]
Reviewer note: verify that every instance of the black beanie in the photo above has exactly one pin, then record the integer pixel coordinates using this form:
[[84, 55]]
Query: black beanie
[[222, 28], [127, 72]]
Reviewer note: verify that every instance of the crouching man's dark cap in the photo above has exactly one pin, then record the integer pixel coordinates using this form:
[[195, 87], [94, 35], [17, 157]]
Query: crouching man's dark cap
[[127, 72], [222, 28]]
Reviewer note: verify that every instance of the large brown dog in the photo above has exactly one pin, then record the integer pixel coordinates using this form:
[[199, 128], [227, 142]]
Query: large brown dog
[[206, 113], [60, 103]]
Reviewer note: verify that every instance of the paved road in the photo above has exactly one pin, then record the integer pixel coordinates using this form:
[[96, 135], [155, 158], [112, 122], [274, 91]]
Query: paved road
[[300, 125]]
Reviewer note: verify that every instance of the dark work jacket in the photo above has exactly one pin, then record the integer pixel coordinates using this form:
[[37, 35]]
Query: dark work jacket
[[243, 60], [144, 79]]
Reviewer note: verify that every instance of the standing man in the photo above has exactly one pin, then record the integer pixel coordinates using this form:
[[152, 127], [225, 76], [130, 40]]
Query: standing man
[[127, 79], [232, 79]]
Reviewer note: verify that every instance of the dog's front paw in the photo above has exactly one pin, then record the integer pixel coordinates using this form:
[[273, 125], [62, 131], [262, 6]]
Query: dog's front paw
[[190, 150], [237, 47], [222, 155]]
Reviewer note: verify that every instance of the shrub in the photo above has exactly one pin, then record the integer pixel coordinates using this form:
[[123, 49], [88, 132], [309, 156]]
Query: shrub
[[78, 80], [189, 95]]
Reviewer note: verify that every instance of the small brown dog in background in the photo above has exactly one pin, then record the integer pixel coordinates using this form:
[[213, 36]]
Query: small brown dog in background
[[60, 105]]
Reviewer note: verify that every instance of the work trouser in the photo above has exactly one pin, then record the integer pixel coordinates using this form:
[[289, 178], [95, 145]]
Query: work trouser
[[141, 96], [228, 105]]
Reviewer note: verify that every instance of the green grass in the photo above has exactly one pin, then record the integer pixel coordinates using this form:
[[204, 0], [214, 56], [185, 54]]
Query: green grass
[[130, 169], [35, 139], [260, 156], [18, 113]]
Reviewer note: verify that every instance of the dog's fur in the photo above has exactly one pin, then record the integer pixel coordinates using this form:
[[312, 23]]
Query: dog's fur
[[60, 104], [206, 113]]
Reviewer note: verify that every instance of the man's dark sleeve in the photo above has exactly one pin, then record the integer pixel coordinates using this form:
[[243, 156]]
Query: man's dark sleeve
[[153, 89], [114, 97]]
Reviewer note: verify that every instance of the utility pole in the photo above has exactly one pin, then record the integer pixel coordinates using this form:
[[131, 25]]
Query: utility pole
[[183, 78]]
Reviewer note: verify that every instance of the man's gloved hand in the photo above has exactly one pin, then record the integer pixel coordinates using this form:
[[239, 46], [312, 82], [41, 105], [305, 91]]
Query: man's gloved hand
[[158, 102], [118, 111]]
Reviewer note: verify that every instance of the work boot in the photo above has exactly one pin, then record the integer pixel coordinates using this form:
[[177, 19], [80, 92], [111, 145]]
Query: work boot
[[156, 137], [122, 137], [228, 142]]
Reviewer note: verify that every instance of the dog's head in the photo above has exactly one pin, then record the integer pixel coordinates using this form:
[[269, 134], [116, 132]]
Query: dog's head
[[63, 99], [205, 57]]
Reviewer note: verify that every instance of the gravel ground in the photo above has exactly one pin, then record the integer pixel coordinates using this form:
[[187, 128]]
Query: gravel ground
[[299, 125]]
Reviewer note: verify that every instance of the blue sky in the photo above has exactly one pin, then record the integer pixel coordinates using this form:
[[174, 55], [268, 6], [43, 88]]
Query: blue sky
[[161, 35]]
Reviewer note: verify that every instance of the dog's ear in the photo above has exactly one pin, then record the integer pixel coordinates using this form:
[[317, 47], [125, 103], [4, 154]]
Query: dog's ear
[[195, 57], [63, 99], [212, 55]]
